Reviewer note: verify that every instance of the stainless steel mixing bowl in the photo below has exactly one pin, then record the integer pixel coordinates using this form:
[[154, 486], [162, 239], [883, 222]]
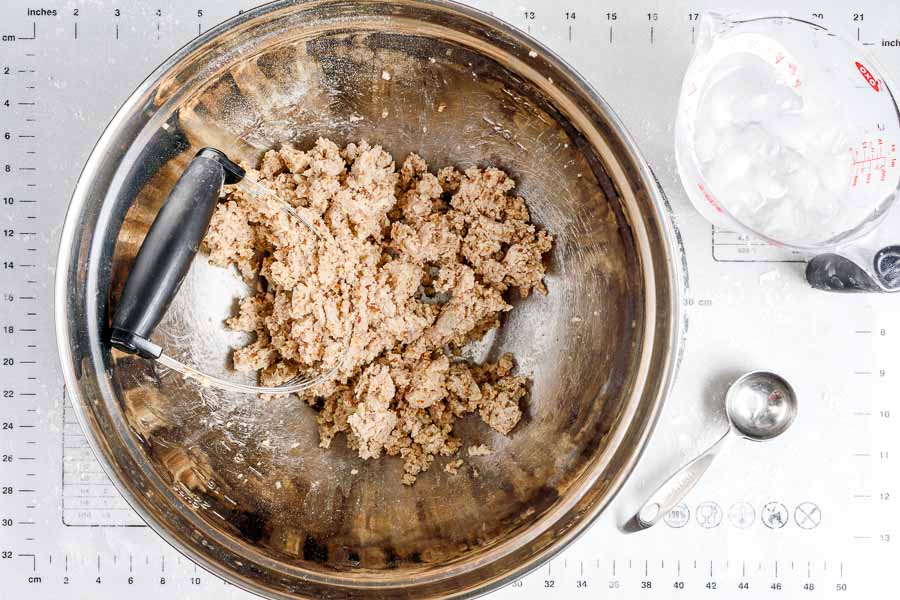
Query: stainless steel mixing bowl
[[239, 483]]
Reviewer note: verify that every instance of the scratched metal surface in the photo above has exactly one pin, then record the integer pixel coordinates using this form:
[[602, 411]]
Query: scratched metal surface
[[808, 515]]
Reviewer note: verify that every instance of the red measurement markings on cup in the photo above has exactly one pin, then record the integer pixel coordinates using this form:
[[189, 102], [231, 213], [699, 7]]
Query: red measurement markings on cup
[[708, 197], [871, 161]]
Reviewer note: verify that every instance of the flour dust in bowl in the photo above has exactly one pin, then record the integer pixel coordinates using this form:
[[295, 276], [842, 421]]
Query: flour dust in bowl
[[238, 483]]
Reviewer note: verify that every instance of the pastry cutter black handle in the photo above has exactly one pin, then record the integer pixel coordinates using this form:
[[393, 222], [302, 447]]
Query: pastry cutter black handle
[[168, 250]]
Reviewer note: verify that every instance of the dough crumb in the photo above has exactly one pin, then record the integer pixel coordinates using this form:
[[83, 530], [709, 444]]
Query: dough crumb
[[411, 266], [480, 450], [453, 466]]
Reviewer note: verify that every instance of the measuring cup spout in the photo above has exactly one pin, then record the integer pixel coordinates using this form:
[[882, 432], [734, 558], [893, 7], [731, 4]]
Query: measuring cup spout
[[714, 24], [710, 26]]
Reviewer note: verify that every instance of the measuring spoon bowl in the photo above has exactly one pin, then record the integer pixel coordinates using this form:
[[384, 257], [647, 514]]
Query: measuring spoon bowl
[[760, 405]]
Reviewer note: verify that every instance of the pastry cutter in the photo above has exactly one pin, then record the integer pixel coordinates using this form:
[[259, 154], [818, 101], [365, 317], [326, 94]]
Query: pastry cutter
[[165, 256]]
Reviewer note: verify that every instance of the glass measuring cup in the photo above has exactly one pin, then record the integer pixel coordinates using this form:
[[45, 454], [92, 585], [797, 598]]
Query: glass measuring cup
[[788, 131]]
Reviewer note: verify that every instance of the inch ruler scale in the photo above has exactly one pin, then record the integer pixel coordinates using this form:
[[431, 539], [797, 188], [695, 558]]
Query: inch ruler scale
[[813, 514]]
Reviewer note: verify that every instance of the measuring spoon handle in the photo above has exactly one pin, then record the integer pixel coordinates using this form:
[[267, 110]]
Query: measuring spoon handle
[[168, 249], [676, 487]]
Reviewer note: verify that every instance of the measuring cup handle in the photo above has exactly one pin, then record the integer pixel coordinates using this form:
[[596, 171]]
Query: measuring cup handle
[[887, 267], [836, 273], [166, 253]]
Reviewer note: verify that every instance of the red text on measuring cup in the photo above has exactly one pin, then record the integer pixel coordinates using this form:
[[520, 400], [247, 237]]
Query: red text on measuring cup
[[868, 76]]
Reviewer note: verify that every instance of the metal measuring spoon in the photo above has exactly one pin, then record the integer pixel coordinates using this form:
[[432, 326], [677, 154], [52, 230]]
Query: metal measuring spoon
[[760, 406]]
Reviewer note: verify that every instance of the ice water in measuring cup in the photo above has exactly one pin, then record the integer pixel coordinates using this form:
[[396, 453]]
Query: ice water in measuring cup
[[787, 130]]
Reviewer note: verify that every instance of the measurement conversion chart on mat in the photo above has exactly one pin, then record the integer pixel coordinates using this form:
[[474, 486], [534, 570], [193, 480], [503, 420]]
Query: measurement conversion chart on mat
[[814, 513]]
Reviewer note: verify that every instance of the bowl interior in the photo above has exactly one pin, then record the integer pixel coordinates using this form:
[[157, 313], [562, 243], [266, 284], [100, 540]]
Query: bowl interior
[[240, 481]]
